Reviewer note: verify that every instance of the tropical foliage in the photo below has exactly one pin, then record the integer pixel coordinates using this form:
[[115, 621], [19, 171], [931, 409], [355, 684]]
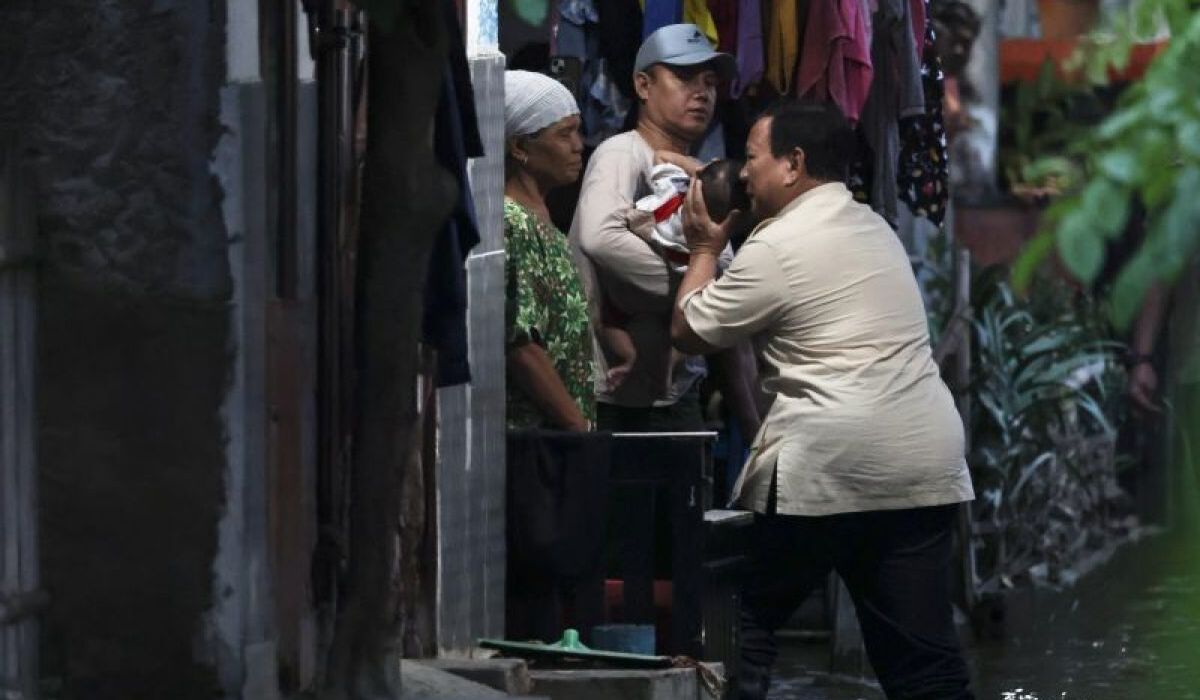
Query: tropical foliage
[[1148, 149], [1044, 388]]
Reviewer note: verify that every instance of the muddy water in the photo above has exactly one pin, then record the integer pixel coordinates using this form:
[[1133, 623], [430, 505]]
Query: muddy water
[[1130, 630]]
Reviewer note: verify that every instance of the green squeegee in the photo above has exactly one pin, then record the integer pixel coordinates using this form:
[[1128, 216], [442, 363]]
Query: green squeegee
[[569, 647]]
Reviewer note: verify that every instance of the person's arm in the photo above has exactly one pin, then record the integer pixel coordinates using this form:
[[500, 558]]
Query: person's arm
[[718, 313], [706, 240], [1143, 380], [619, 343], [534, 373], [635, 277]]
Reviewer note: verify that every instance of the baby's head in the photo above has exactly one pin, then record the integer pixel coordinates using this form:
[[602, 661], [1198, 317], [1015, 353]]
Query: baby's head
[[722, 188]]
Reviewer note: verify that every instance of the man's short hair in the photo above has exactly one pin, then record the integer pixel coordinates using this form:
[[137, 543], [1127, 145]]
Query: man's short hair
[[817, 128]]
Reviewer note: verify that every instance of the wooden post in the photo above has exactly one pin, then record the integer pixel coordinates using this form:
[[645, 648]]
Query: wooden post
[[19, 595], [962, 395]]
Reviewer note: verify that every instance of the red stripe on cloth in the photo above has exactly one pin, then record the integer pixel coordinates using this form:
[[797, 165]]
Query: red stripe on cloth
[[668, 208]]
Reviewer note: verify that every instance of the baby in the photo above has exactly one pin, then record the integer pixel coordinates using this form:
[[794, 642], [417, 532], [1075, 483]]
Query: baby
[[662, 228]]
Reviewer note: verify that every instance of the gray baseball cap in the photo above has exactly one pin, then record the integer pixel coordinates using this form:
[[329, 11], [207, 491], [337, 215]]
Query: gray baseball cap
[[682, 45]]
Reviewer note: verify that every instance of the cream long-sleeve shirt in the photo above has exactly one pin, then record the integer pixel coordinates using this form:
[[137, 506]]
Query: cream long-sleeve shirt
[[619, 268], [861, 419]]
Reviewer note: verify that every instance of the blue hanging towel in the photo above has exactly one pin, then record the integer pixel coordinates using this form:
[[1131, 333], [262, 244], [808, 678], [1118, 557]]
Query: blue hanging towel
[[660, 13]]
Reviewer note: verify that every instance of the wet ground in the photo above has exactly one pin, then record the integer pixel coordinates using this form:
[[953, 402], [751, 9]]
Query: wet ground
[[1130, 630]]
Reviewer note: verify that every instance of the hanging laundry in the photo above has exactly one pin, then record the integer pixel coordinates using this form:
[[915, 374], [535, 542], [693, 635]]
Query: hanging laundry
[[836, 60], [896, 92], [664, 12], [571, 39], [750, 52], [696, 12], [578, 11], [604, 108], [725, 17], [923, 175], [602, 105], [620, 35], [456, 138], [783, 43], [919, 13], [659, 13]]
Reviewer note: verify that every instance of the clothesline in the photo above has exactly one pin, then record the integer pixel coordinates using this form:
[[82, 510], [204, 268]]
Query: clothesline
[[874, 58]]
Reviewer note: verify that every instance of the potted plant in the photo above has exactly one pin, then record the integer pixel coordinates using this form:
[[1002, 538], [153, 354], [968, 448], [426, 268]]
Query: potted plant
[[1038, 119]]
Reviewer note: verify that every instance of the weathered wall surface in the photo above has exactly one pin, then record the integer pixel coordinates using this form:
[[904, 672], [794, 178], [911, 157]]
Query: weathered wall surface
[[116, 105]]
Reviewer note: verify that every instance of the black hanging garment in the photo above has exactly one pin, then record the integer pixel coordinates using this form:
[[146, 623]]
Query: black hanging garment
[[456, 138], [922, 174]]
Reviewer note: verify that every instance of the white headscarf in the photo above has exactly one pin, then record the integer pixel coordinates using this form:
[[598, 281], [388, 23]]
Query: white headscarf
[[533, 101]]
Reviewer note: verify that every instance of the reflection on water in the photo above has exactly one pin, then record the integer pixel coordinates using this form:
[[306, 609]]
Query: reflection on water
[[1128, 631]]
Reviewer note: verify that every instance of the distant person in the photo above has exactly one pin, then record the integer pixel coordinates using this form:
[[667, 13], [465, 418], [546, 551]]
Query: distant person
[[548, 343], [1177, 307], [859, 465]]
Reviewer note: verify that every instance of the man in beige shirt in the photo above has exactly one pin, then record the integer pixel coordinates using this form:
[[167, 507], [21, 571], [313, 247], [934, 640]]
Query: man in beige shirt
[[676, 77], [859, 463]]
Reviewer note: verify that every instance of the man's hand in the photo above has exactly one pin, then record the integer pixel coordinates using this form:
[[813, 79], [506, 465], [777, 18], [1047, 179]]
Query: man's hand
[[703, 234], [1143, 384], [689, 165]]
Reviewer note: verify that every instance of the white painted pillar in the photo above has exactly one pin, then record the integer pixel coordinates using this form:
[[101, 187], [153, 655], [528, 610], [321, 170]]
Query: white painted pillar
[[471, 432]]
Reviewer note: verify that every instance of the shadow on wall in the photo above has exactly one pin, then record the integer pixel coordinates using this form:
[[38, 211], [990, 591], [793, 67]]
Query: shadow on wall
[[132, 486]]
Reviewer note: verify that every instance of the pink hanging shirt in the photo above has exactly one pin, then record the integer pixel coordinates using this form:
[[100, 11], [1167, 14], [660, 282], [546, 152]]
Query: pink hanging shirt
[[835, 63]]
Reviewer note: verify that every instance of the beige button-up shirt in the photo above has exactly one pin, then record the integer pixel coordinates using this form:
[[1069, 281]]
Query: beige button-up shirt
[[619, 268], [861, 419]]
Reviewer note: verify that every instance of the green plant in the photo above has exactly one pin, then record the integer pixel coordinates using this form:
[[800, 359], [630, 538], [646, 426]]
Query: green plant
[[1042, 373], [1148, 149], [1039, 119]]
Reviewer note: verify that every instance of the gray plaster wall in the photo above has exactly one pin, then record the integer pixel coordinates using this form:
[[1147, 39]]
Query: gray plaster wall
[[471, 453], [116, 105]]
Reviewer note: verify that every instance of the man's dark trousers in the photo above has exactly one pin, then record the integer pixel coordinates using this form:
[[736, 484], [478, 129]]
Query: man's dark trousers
[[896, 567]]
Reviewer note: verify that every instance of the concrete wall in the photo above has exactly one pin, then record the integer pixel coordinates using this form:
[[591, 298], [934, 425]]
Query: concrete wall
[[118, 107], [471, 452]]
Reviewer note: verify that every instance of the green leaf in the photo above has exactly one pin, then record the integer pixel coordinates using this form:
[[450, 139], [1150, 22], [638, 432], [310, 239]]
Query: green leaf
[[1035, 253], [1130, 288], [1109, 206], [1159, 185], [1121, 121], [1120, 165], [1080, 246], [1189, 139]]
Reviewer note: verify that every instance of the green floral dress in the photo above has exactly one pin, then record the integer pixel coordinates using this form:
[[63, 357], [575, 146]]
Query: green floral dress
[[545, 304]]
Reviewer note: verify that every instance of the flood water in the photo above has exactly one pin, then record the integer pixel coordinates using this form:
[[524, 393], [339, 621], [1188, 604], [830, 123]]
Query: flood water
[[1130, 630]]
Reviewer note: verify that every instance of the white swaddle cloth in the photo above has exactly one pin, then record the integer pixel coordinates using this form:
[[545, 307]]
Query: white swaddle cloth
[[669, 186]]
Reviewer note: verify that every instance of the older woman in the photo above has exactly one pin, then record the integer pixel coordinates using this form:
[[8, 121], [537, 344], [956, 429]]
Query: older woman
[[549, 353]]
